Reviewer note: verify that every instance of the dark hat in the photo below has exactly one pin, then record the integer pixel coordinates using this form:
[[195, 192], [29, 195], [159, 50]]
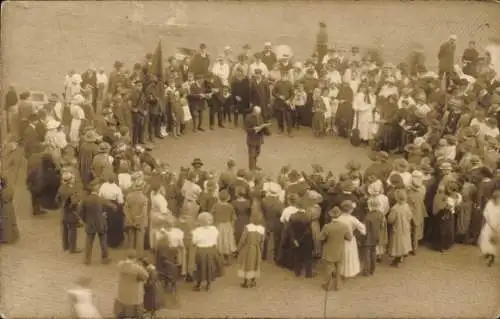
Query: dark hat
[[348, 186], [197, 162], [203, 46], [258, 71], [53, 97], [231, 163], [294, 176], [322, 24], [353, 165], [258, 55], [247, 47], [117, 64]]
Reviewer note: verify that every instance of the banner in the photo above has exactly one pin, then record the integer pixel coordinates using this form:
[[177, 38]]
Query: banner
[[494, 49]]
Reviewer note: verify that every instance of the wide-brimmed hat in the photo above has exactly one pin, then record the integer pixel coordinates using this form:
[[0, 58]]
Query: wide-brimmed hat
[[273, 189], [118, 64], [445, 166], [347, 206], [91, 136], [348, 186], [400, 164], [52, 124], [353, 165], [104, 147], [197, 162], [314, 196], [205, 219]]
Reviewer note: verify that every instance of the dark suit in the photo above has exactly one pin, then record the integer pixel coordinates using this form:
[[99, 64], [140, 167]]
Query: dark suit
[[214, 86], [197, 104], [68, 197], [240, 88], [269, 59], [282, 110], [31, 140], [272, 208], [333, 236], [446, 58], [92, 213], [300, 233], [260, 95], [254, 139], [200, 64], [370, 241]]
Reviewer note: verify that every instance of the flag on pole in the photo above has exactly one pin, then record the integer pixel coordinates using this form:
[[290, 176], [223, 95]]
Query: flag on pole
[[157, 69]]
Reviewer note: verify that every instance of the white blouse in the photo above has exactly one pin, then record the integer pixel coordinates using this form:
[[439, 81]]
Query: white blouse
[[206, 236], [287, 213], [158, 203], [124, 181], [112, 192], [175, 237]]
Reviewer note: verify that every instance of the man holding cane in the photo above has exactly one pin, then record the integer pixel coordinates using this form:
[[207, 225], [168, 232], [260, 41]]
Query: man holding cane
[[256, 129]]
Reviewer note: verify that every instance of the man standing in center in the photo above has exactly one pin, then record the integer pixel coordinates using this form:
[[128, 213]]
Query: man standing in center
[[260, 94], [256, 128], [283, 94]]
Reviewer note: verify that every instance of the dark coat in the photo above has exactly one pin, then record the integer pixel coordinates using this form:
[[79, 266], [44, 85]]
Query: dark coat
[[200, 64], [196, 101], [372, 222], [334, 235], [91, 212], [68, 197], [241, 88], [446, 57], [260, 93], [269, 59], [272, 208], [31, 139], [253, 138]]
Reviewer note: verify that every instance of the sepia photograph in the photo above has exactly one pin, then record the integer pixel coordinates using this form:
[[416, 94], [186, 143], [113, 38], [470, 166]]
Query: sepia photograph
[[250, 159]]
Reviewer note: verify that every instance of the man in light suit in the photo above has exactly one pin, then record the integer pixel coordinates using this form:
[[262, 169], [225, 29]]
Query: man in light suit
[[333, 236]]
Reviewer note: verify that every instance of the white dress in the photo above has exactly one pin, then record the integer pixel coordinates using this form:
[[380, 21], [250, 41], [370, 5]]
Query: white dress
[[350, 266], [81, 304], [74, 129], [491, 228], [159, 213], [365, 115]]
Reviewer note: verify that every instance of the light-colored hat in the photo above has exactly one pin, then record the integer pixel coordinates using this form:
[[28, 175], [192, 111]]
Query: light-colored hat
[[453, 37], [227, 48], [446, 166], [273, 189], [267, 44], [76, 78], [314, 196], [104, 147], [91, 136], [205, 218], [52, 124]]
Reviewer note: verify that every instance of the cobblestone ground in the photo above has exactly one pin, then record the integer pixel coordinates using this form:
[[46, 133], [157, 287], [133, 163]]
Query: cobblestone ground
[[36, 273]]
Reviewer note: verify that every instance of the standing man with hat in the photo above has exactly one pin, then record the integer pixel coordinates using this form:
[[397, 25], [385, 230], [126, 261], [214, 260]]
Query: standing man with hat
[[272, 208], [221, 69], [200, 61], [136, 215], [139, 113], [283, 94], [446, 58], [333, 236], [92, 213], [69, 197], [256, 129], [197, 101], [269, 58], [322, 41], [260, 93], [115, 77]]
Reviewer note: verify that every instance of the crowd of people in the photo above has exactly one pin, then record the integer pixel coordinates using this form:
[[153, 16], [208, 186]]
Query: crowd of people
[[88, 153]]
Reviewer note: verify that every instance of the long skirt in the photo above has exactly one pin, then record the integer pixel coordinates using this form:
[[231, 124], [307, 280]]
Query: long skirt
[[445, 230], [154, 298], [226, 243], [381, 248], [122, 310], [209, 264], [488, 240], [9, 232], [464, 215], [249, 262], [239, 226], [188, 260], [350, 265], [116, 221], [167, 263]]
